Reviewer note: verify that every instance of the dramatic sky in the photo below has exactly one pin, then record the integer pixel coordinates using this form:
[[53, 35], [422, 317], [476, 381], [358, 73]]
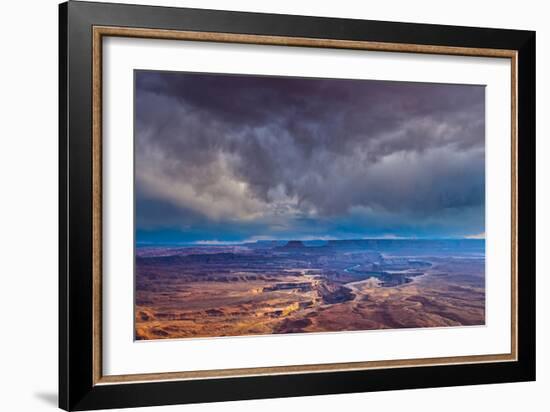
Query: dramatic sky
[[225, 158]]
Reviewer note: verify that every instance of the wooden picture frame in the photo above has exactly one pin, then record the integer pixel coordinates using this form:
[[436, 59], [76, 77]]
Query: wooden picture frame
[[82, 384]]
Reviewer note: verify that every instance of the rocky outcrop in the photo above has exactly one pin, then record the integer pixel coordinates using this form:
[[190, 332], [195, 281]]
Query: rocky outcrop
[[292, 245]]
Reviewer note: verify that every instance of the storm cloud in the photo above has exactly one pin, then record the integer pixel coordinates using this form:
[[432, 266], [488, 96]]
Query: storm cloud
[[231, 157]]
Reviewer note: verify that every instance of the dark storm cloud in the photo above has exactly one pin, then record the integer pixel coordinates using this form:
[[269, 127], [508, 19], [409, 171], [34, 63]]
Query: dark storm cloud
[[270, 153]]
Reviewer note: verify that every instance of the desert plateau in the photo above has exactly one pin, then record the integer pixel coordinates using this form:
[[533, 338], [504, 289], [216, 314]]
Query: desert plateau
[[276, 287]]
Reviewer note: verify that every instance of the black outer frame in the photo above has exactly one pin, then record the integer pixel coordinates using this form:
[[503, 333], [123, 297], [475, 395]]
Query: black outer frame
[[76, 388]]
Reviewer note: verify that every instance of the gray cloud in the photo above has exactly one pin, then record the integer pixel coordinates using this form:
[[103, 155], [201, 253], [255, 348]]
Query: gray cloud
[[270, 151]]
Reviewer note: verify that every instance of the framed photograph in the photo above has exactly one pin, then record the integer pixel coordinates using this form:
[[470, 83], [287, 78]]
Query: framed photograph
[[257, 205]]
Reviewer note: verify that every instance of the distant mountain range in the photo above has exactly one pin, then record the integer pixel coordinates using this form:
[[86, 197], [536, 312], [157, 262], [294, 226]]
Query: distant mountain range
[[377, 244], [374, 244]]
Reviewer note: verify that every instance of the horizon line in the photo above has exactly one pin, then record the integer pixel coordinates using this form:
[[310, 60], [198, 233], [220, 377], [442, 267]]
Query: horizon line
[[250, 241]]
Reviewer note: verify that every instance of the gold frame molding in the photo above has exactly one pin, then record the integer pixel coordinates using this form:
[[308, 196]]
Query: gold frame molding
[[102, 31]]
